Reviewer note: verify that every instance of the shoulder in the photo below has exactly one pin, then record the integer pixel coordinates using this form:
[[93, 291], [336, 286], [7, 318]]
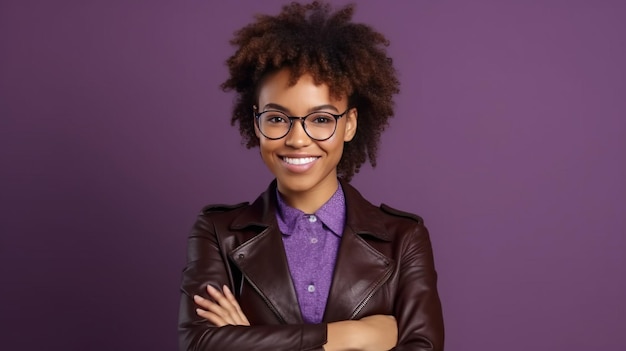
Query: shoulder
[[408, 229], [220, 208], [222, 212], [360, 205], [258, 206], [217, 215], [383, 221], [393, 212], [404, 225]]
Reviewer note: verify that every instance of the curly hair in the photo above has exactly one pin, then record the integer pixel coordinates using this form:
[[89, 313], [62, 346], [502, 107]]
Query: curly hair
[[310, 38]]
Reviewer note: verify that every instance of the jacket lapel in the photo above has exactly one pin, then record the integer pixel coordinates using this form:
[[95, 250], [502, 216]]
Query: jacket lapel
[[262, 258], [360, 270]]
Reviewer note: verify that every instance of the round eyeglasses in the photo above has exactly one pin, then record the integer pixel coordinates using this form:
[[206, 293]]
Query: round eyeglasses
[[319, 125]]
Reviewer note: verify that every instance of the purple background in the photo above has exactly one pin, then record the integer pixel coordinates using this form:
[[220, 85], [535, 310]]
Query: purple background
[[509, 138]]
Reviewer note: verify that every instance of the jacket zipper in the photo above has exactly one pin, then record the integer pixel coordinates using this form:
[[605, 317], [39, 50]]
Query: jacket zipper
[[371, 293]]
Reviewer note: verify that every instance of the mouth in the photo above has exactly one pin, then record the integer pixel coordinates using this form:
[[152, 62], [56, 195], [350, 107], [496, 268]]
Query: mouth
[[298, 161]]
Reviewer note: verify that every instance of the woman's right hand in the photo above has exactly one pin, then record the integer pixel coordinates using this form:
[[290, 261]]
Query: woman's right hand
[[372, 333], [382, 331], [223, 310]]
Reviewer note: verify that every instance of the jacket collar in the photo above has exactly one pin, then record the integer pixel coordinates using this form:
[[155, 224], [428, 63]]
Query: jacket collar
[[361, 216], [360, 270]]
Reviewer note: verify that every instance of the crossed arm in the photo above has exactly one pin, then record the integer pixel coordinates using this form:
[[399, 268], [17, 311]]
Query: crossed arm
[[373, 333]]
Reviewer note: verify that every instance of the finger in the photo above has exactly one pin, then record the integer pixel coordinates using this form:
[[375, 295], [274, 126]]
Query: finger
[[241, 317], [211, 317], [217, 296], [227, 311], [222, 299], [214, 309], [202, 302]]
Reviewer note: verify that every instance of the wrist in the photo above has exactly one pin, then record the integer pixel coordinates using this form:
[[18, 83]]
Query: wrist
[[344, 336]]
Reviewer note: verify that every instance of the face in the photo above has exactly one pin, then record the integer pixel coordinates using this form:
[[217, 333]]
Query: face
[[300, 164]]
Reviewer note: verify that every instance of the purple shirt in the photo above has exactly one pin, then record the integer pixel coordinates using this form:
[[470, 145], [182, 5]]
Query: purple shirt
[[311, 243]]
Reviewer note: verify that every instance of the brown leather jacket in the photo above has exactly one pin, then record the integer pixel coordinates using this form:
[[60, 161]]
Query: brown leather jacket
[[384, 266]]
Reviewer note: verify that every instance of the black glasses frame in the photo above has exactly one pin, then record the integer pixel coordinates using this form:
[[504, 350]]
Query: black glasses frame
[[257, 117]]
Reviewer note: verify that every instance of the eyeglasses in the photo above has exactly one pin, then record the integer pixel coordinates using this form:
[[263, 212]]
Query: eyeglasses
[[275, 124]]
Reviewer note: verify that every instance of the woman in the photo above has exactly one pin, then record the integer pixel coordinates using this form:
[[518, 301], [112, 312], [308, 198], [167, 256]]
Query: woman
[[310, 265]]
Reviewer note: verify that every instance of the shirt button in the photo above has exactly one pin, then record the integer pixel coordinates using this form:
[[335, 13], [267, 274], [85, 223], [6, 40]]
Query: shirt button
[[312, 218], [311, 288], [313, 240]]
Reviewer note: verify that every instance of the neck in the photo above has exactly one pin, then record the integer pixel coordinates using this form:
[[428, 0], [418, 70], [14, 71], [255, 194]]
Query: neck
[[311, 200]]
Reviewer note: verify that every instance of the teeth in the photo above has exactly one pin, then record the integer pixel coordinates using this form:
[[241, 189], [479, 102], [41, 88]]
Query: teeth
[[299, 160]]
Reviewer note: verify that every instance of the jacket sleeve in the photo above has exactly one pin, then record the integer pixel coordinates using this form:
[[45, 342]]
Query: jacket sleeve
[[207, 265], [417, 307]]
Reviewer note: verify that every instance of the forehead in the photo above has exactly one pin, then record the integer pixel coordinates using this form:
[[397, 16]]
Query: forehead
[[281, 88]]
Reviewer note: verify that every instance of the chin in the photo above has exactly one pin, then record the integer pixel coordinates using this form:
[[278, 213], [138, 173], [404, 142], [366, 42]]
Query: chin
[[295, 185]]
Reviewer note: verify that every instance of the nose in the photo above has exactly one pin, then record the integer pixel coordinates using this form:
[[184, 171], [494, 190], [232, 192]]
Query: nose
[[297, 137]]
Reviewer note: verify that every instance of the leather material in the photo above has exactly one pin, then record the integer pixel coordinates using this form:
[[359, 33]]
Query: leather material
[[384, 266]]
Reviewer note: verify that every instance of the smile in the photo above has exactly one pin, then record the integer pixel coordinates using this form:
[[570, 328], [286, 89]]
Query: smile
[[299, 160]]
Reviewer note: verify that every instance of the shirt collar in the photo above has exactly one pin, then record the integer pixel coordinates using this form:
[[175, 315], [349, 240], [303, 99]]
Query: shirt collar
[[361, 216], [332, 213]]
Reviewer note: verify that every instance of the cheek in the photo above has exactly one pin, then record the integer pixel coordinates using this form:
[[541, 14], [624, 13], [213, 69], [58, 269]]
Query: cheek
[[334, 147], [262, 147], [265, 155], [266, 147]]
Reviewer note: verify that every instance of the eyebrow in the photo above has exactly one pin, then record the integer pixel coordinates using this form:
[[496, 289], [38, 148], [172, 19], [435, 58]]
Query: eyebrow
[[272, 106]]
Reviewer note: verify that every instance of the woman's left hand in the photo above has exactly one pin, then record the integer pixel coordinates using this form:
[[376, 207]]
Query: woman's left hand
[[224, 311]]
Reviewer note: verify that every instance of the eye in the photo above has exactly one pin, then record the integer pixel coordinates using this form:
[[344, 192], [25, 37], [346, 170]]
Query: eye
[[321, 118], [274, 118]]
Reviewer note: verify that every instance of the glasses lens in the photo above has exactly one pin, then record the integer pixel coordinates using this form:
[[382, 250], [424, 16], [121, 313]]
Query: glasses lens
[[274, 124], [320, 125]]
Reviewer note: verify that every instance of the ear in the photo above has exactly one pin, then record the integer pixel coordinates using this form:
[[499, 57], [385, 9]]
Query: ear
[[256, 130], [351, 123]]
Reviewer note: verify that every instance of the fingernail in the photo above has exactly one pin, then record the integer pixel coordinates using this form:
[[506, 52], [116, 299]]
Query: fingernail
[[226, 288], [196, 298], [198, 311], [210, 288]]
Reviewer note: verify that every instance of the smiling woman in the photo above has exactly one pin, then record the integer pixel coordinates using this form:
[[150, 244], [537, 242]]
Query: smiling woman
[[305, 169], [311, 264]]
